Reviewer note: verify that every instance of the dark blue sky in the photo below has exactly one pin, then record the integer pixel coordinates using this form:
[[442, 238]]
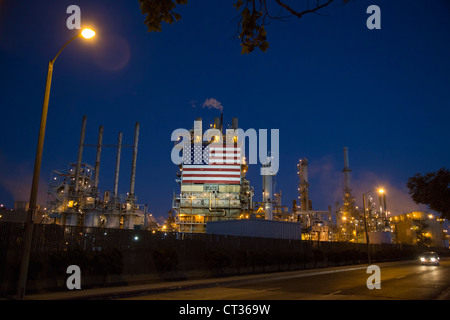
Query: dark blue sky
[[326, 82]]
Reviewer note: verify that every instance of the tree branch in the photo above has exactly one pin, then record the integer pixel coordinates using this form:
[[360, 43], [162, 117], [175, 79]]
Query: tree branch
[[300, 14]]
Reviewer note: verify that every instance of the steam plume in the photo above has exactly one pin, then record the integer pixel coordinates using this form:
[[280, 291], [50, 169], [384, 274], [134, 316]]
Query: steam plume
[[212, 103]]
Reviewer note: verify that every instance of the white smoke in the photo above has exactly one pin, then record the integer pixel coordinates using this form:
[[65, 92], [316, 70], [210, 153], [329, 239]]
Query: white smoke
[[212, 103]]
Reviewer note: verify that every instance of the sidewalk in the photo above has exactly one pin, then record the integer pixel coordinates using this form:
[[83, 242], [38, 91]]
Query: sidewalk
[[145, 289]]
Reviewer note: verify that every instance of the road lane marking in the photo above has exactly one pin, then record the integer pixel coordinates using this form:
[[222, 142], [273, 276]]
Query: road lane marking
[[269, 289], [335, 292]]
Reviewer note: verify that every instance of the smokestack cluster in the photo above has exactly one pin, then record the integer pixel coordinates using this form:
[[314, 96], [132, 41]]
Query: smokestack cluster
[[98, 158]]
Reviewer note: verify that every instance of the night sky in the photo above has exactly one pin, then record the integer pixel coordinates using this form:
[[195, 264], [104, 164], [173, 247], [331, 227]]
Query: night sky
[[326, 82]]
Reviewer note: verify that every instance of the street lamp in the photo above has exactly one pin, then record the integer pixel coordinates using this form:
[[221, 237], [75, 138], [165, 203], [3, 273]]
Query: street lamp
[[87, 34], [380, 191]]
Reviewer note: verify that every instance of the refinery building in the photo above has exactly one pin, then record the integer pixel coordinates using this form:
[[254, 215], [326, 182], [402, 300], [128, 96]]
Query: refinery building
[[212, 179]]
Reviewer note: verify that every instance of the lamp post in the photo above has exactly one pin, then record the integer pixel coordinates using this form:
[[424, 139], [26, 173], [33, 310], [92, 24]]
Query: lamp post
[[27, 241], [380, 191]]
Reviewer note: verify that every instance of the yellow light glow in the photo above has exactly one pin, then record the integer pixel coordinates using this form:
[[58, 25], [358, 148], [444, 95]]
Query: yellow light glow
[[381, 190], [88, 33]]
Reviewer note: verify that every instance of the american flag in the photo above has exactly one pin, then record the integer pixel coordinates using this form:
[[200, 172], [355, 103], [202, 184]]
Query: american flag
[[212, 163]]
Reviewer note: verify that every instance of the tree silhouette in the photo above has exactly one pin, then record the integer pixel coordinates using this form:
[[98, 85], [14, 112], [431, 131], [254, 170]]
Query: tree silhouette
[[432, 189]]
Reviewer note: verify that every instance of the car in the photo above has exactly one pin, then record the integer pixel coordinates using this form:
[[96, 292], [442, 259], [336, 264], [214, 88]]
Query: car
[[430, 257]]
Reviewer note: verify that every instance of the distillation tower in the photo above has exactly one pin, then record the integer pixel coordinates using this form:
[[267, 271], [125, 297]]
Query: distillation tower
[[315, 223]]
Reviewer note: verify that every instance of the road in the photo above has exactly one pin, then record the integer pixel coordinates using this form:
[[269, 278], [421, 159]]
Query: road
[[404, 280]]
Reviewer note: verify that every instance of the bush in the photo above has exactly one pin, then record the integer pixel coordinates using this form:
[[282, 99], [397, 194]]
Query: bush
[[166, 259]]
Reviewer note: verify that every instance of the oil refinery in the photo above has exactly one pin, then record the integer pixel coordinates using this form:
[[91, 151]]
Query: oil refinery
[[214, 195], [210, 193], [74, 198]]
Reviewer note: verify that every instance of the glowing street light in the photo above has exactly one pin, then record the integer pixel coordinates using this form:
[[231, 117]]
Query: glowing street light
[[87, 34]]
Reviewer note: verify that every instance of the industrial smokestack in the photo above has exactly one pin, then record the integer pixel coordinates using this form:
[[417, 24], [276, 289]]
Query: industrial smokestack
[[97, 159], [133, 163], [116, 175], [347, 189], [80, 154], [234, 123], [217, 123], [346, 165], [304, 185], [268, 188]]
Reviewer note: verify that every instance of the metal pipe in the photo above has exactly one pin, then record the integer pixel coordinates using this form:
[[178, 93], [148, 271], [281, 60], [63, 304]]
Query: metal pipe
[[133, 162], [80, 154], [97, 160], [116, 175], [215, 206]]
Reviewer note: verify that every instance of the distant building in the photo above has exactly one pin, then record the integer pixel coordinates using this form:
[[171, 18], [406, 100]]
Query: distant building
[[419, 228]]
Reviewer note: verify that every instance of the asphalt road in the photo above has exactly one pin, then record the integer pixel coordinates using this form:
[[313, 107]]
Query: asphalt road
[[407, 280]]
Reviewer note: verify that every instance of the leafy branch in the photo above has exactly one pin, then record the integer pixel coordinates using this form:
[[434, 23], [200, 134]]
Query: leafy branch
[[253, 17]]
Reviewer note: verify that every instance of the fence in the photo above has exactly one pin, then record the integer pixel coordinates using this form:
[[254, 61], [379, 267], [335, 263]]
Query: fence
[[108, 256]]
